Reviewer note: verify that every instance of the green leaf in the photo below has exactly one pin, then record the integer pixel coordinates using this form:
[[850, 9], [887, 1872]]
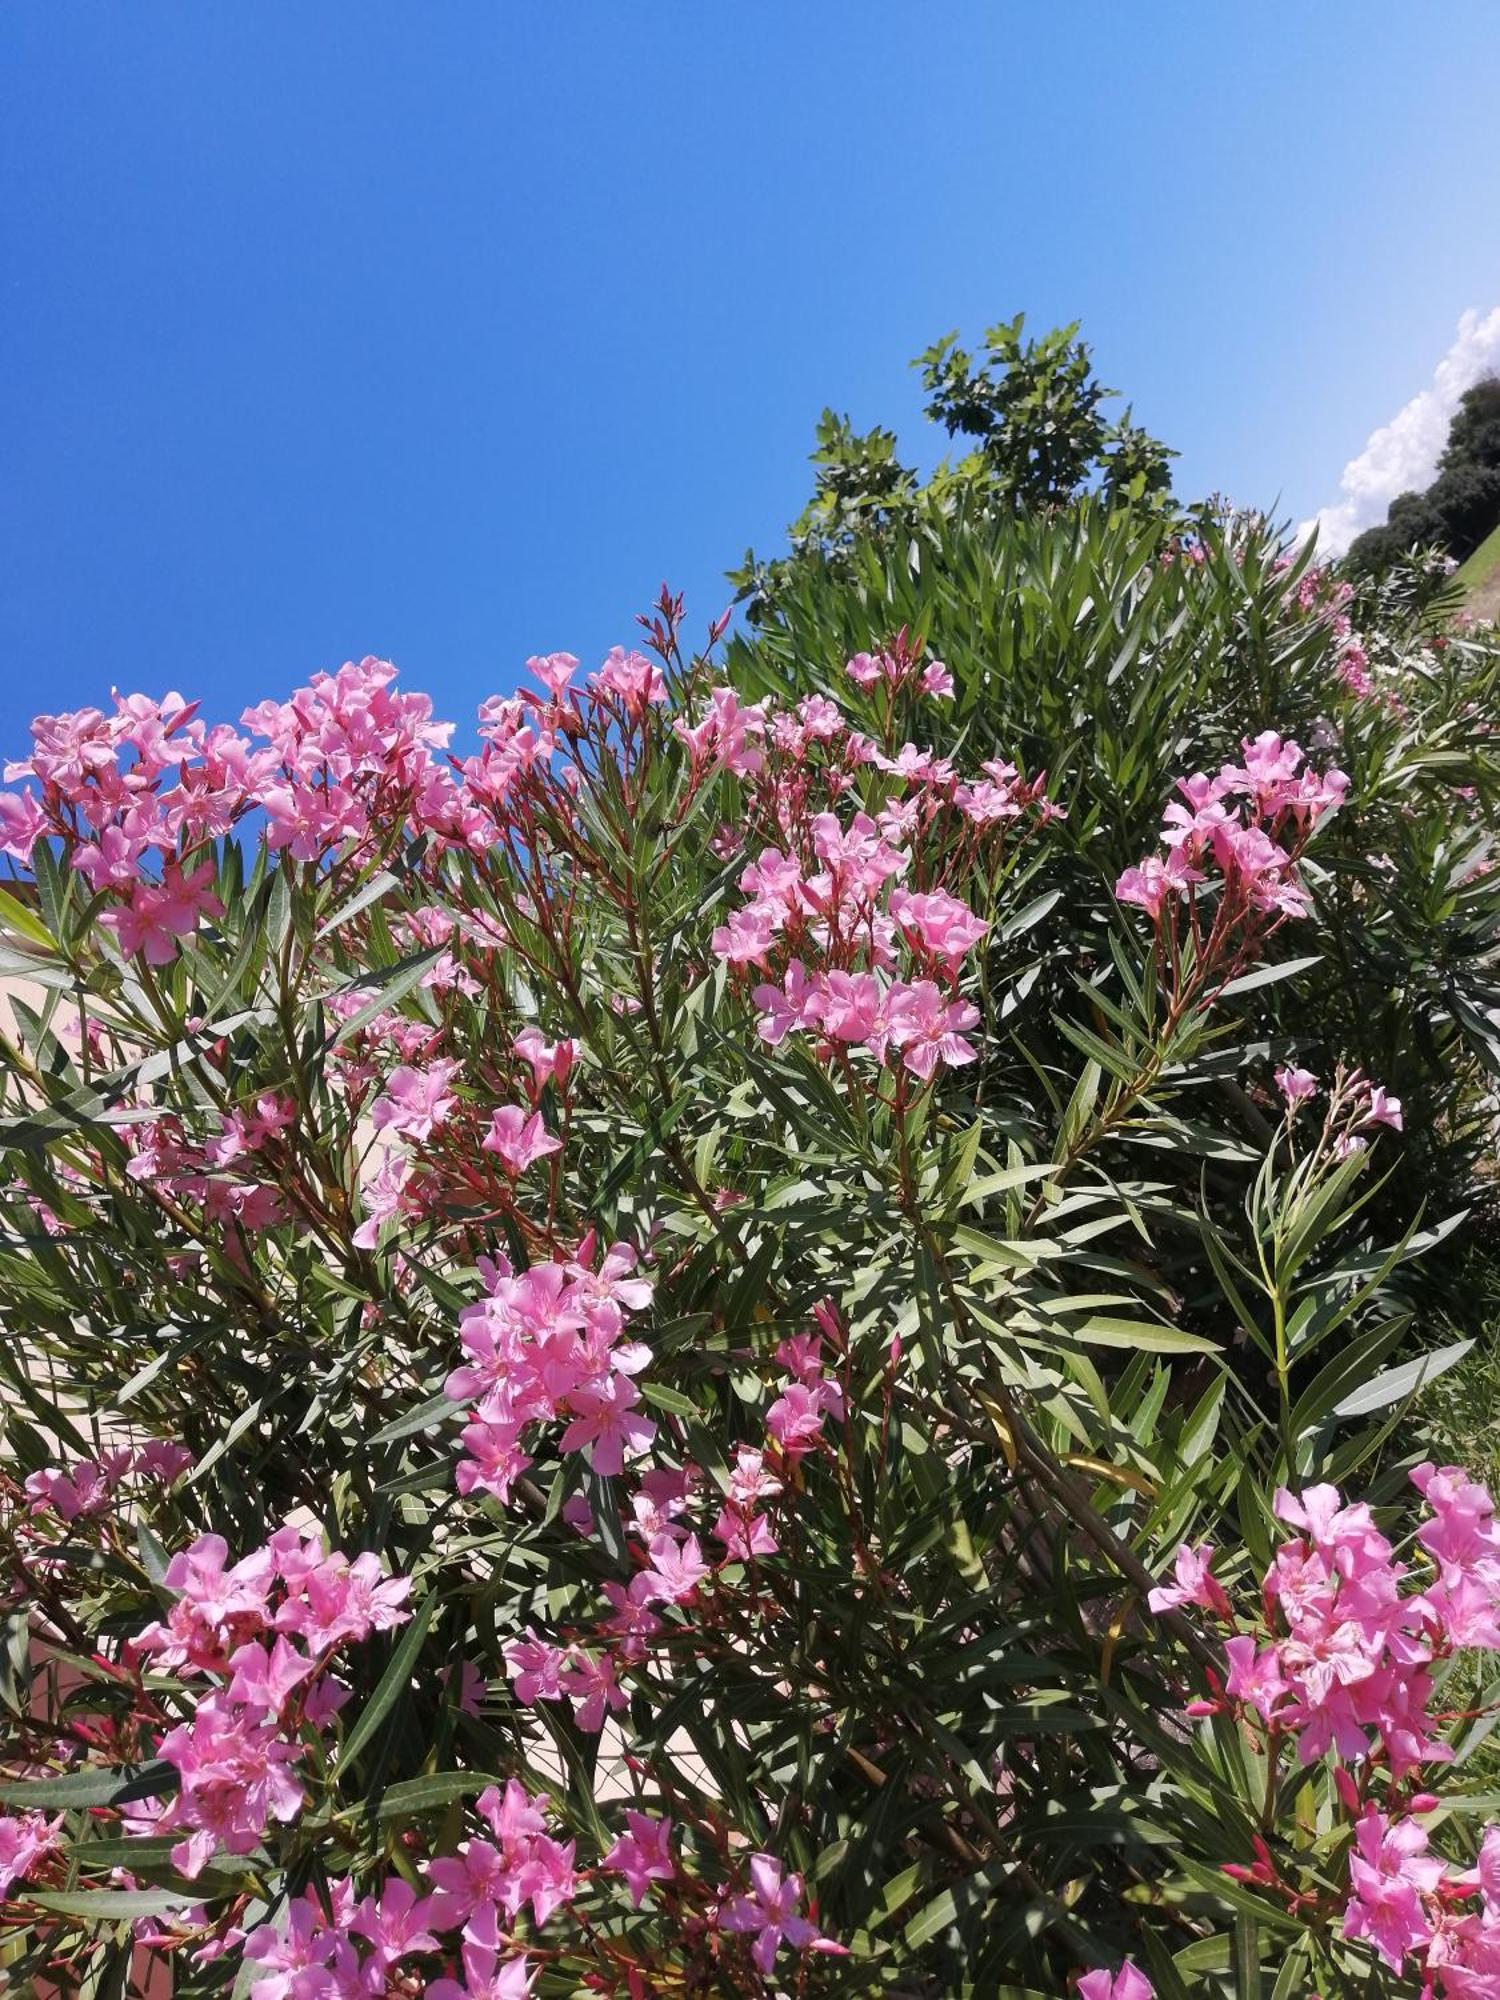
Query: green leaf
[[432, 1789], [1146, 1336], [392, 1684], [91, 1788], [1267, 975], [1396, 1384], [108, 1906], [429, 1416], [391, 983]]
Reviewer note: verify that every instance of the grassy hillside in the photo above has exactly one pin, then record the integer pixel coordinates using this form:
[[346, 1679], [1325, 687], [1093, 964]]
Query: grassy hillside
[[1480, 577]]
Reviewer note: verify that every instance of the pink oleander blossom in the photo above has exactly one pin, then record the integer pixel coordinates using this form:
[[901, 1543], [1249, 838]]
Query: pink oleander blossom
[[1390, 1874], [642, 1854], [416, 1101], [1296, 1085], [27, 1841], [1194, 1583], [772, 1911], [518, 1139], [1129, 1983]]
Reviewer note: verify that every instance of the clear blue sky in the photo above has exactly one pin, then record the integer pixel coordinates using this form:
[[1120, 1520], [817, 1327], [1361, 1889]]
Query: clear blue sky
[[446, 331]]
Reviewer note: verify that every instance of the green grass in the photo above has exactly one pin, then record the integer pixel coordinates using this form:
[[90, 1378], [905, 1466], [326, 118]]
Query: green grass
[[1482, 565]]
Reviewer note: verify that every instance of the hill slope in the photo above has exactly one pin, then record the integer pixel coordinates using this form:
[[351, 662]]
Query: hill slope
[[1480, 577]]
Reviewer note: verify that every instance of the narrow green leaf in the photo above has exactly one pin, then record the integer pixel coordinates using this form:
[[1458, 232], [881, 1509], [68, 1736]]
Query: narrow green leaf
[[392, 1683]]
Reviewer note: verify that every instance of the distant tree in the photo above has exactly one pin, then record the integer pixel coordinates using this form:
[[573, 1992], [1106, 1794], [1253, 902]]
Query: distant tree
[[1035, 412], [1460, 507], [1474, 435], [1035, 409]]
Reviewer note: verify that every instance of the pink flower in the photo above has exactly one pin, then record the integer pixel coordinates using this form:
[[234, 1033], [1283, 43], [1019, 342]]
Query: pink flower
[[937, 681], [551, 1062], [1146, 885], [744, 1534], [384, 1195], [395, 1926], [553, 670], [264, 1677], [938, 925], [677, 1569], [795, 1419], [159, 915], [1128, 1983], [157, 1459], [1383, 1109], [607, 1421], [772, 1911], [84, 1489], [643, 1854], [796, 1003], [928, 1028], [22, 822], [1195, 1584], [517, 1139], [1390, 1872], [535, 1669], [486, 1975], [635, 679], [1296, 1085], [592, 1687], [748, 936], [721, 739], [308, 1956], [26, 1840], [1254, 1677], [416, 1101]]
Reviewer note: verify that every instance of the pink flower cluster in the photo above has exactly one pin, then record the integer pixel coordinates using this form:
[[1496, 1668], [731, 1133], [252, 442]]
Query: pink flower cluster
[[673, 1566], [232, 1174], [1327, 597], [28, 1841], [546, 1343], [1353, 668], [901, 665], [88, 1486], [1352, 1670], [1408, 1902], [1355, 1106], [837, 907], [1348, 1668], [419, 1102], [264, 1630], [727, 737], [347, 758], [519, 1864], [316, 1953], [1249, 823], [347, 763], [855, 952]]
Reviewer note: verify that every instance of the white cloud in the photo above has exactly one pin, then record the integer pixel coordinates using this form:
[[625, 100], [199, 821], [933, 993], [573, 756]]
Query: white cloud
[[1402, 455]]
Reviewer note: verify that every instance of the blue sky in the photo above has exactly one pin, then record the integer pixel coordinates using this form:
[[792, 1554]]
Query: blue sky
[[446, 332]]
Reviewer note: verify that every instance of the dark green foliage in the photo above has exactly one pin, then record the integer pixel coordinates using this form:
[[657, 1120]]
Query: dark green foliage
[[1034, 410], [1458, 510], [1083, 643]]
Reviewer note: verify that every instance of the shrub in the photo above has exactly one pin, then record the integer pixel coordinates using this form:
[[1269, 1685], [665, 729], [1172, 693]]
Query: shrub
[[623, 1348], [1114, 650]]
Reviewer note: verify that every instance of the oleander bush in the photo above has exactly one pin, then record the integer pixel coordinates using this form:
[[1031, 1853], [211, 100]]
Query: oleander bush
[[767, 1337]]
